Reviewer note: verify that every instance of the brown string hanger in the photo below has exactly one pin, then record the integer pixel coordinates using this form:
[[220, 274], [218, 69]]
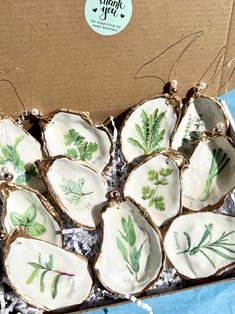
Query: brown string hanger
[[25, 114], [193, 37]]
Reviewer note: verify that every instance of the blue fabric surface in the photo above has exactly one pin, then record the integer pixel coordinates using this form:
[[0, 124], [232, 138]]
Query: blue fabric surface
[[229, 97], [214, 299]]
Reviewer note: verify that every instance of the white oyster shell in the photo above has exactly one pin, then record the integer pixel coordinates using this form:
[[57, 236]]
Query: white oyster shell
[[155, 185], [61, 138], [193, 258], [32, 267], [135, 131], [205, 183], [114, 266], [202, 114], [18, 152], [78, 189], [23, 207]]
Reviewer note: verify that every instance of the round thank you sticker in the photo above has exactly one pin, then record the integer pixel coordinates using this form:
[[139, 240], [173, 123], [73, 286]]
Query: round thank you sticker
[[108, 17]]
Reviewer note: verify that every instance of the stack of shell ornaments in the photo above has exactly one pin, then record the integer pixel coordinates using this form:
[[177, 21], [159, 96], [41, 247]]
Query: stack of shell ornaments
[[45, 275], [183, 162]]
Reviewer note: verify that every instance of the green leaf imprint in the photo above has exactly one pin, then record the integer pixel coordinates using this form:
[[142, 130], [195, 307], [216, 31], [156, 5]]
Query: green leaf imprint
[[150, 193], [129, 252], [73, 190], [150, 133], [81, 149], [9, 154], [35, 229], [206, 245], [193, 127], [43, 270], [31, 213], [27, 220], [17, 219], [219, 161]]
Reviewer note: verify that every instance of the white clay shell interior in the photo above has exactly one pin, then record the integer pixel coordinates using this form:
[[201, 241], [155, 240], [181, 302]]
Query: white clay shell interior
[[65, 178], [60, 125], [27, 148], [195, 178], [70, 289], [169, 192], [25, 205], [111, 266], [203, 114], [205, 262], [129, 130]]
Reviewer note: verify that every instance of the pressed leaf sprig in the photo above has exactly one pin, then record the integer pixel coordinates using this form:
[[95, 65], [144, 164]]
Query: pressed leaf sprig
[[221, 246], [193, 127], [73, 190], [81, 149], [43, 270], [150, 133], [129, 253], [219, 161], [148, 193], [9, 154], [27, 220]]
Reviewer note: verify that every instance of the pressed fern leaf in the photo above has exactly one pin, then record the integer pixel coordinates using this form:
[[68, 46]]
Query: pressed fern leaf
[[73, 190], [150, 133]]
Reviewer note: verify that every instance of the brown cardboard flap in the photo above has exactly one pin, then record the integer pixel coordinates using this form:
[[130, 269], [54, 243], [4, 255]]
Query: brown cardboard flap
[[62, 62]]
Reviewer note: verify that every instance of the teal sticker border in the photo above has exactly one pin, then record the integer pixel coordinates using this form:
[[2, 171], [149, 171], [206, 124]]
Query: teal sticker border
[[108, 17]]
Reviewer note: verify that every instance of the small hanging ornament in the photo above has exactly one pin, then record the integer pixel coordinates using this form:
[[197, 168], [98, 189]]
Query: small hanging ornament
[[200, 113], [70, 133], [210, 175], [137, 257], [18, 153], [150, 125], [201, 245], [78, 189], [44, 275], [27, 208], [159, 185]]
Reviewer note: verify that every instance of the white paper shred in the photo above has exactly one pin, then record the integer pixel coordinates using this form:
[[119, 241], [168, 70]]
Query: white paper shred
[[139, 303], [88, 242]]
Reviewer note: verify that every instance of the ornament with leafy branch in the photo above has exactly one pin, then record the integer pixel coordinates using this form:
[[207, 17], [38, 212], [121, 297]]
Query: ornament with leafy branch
[[150, 133], [39, 268], [158, 178], [193, 127], [219, 161], [222, 246], [129, 251], [10, 157], [27, 220], [79, 148], [73, 190]]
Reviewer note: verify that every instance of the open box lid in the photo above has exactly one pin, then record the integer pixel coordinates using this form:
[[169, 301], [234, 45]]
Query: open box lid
[[54, 59]]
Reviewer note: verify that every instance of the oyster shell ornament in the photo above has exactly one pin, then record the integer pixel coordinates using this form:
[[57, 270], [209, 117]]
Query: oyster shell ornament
[[131, 255], [201, 113], [156, 185], [76, 188], [210, 175], [149, 127], [24, 207], [72, 134], [200, 245], [18, 153], [45, 275]]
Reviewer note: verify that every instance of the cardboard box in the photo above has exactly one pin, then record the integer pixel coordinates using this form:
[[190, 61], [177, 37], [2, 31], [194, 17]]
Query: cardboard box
[[54, 59], [62, 62]]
